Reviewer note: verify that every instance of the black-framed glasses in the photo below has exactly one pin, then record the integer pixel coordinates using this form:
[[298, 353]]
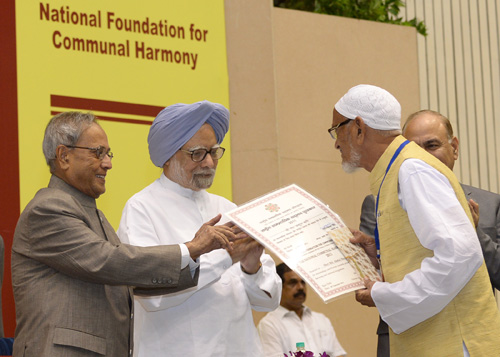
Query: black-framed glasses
[[198, 155], [100, 151], [333, 130]]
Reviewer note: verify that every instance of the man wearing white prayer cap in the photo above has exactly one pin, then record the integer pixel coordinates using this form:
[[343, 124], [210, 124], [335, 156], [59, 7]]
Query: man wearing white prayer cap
[[436, 296], [215, 318]]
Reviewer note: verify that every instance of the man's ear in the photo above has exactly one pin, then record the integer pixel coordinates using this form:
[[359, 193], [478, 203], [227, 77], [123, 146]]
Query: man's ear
[[454, 145], [360, 125], [166, 167], [62, 157]]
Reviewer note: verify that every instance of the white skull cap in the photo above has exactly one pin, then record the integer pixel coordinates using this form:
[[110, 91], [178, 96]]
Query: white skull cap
[[377, 107]]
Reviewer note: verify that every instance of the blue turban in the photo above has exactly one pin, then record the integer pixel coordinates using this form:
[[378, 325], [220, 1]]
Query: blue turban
[[176, 124]]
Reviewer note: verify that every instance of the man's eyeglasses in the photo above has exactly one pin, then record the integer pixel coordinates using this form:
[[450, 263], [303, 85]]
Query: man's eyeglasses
[[333, 130], [100, 151], [200, 154]]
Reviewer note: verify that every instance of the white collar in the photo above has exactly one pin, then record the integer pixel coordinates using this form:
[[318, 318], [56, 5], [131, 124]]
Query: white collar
[[284, 312], [183, 191]]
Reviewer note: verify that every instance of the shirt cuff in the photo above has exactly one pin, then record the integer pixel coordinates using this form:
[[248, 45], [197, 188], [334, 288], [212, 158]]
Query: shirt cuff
[[247, 273], [186, 258]]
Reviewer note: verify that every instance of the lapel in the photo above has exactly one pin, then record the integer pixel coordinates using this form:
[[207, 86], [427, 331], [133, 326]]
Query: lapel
[[108, 230]]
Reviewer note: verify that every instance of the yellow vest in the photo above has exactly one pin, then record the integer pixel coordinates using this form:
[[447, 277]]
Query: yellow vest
[[472, 316]]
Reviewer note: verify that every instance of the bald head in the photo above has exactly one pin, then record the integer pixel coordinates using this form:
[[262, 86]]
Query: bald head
[[434, 133]]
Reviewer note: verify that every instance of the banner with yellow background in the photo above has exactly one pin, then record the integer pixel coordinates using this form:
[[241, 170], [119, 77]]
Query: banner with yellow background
[[124, 61]]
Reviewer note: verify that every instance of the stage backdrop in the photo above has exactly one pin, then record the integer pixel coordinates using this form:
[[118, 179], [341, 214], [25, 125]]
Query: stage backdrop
[[121, 60]]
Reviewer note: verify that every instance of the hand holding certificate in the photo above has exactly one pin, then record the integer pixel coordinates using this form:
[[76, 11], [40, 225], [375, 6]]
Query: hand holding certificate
[[309, 237]]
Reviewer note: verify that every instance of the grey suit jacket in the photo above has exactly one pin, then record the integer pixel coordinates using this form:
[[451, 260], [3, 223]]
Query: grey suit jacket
[[488, 232], [71, 277], [488, 229]]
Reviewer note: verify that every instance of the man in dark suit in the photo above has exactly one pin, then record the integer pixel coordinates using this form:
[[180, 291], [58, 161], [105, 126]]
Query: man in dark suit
[[71, 275], [433, 132]]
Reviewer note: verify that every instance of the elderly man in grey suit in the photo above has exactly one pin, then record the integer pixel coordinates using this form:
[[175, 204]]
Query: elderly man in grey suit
[[72, 276], [433, 132]]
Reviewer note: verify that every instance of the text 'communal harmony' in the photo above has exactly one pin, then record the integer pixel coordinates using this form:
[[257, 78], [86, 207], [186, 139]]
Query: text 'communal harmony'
[[158, 28]]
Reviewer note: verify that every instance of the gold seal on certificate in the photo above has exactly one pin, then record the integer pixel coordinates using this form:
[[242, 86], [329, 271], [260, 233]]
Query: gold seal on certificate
[[309, 237]]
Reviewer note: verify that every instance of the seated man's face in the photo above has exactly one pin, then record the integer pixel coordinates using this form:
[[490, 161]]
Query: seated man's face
[[294, 291]]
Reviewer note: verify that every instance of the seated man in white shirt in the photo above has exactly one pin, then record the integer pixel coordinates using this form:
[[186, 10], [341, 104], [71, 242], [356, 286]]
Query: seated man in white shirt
[[293, 322]]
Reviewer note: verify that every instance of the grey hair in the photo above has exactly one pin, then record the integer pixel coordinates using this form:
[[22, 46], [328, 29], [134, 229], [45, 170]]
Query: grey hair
[[444, 120], [64, 129]]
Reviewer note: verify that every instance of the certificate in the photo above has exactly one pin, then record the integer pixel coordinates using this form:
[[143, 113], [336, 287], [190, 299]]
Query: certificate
[[308, 237]]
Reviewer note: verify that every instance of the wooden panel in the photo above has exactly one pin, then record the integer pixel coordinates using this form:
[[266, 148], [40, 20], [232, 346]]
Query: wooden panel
[[449, 61], [461, 123], [422, 58], [430, 47], [251, 97], [489, 124], [448, 35], [494, 32], [467, 135], [442, 90], [477, 133]]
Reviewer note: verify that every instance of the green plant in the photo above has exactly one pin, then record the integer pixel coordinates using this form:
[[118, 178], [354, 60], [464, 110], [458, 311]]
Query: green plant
[[375, 10]]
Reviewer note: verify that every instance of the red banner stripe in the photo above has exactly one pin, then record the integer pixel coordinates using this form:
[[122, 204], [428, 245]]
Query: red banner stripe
[[104, 105]]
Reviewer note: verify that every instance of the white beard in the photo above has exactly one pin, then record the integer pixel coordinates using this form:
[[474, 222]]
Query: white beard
[[197, 181], [352, 165]]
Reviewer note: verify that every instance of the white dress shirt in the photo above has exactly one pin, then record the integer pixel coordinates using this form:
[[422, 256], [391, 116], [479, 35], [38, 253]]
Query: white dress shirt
[[442, 226], [281, 329], [214, 318]]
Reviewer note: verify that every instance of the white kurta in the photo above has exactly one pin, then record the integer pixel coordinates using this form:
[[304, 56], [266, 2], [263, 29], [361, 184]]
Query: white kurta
[[214, 318], [281, 329], [442, 226]]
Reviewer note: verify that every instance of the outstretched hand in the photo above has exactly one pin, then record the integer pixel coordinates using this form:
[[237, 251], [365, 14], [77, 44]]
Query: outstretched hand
[[251, 261], [238, 232], [247, 251], [210, 237]]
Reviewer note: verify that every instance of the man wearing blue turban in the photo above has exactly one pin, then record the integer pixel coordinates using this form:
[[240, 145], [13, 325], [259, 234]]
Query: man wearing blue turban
[[215, 318], [178, 123]]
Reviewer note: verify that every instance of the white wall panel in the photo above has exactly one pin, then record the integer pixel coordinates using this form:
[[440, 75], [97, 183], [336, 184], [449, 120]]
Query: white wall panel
[[459, 74]]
